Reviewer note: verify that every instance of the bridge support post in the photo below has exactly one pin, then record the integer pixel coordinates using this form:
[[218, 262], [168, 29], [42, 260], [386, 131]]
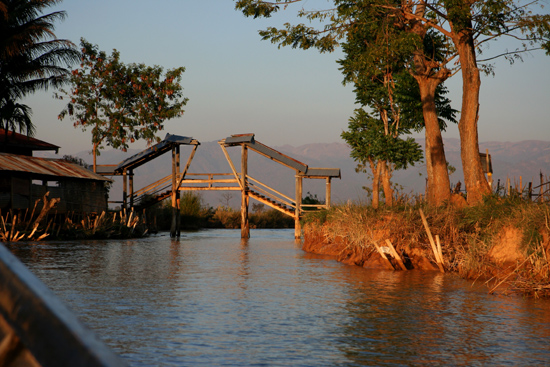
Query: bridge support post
[[298, 211], [175, 227], [131, 181], [327, 195], [245, 225], [124, 189]]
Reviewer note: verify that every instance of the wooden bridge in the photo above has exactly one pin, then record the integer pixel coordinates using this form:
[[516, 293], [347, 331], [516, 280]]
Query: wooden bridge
[[181, 179]]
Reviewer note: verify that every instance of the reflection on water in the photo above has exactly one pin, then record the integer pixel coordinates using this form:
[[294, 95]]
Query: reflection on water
[[214, 299]]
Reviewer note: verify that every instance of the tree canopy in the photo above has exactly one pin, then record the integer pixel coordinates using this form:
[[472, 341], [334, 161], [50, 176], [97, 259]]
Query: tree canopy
[[461, 28], [121, 103]]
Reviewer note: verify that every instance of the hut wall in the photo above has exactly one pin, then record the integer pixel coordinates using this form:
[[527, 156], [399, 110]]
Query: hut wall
[[82, 196]]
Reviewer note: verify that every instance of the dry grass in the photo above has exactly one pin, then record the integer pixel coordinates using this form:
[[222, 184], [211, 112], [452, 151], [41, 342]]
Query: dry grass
[[470, 237]]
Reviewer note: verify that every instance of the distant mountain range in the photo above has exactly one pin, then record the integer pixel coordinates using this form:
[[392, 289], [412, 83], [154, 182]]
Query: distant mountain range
[[509, 160]]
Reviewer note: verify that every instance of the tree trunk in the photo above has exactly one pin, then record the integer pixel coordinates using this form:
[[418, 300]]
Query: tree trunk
[[386, 183], [94, 153], [376, 168], [439, 187], [476, 183]]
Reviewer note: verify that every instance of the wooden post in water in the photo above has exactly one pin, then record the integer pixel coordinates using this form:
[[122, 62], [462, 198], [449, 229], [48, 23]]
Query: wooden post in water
[[298, 211], [131, 180], [124, 188], [245, 225], [175, 227]]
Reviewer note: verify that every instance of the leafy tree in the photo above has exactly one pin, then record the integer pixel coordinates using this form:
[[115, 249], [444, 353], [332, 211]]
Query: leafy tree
[[121, 103], [470, 25], [31, 57], [405, 36], [384, 84], [383, 153], [463, 26]]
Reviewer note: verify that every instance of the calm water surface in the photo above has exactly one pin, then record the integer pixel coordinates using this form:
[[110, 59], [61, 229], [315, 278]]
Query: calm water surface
[[212, 299]]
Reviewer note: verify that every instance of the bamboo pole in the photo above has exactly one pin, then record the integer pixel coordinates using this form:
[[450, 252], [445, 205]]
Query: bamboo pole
[[396, 255], [434, 249]]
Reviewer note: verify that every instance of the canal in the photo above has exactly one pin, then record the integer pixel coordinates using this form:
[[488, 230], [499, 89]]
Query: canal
[[213, 299]]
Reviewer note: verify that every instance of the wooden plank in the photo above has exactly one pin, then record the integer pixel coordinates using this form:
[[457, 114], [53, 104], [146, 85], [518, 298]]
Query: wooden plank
[[386, 260], [270, 188], [208, 181], [230, 163], [186, 168], [206, 188], [277, 156], [439, 250], [396, 255], [270, 204], [434, 248]]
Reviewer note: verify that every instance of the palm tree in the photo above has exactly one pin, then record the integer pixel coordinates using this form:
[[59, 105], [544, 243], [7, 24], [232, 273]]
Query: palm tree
[[15, 115], [31, 57]]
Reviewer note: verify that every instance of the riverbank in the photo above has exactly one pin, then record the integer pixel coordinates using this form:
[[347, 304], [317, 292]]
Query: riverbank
[[502, 242]]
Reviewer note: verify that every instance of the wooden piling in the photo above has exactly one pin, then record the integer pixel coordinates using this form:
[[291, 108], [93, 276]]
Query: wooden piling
[[297, 212], [175, 226], [245, 224]]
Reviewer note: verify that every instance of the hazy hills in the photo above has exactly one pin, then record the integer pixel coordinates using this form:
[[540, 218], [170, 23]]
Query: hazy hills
[[509, 159]]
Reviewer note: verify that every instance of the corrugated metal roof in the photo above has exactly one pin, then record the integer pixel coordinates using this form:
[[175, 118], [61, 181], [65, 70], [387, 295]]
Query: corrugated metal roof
[[277, 156], [46, 167], [154, 151], [322, 172], [238, 139], [19, 140], [301, 168]]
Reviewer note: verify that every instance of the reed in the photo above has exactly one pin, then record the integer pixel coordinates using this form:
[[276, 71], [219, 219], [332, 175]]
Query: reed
[[15, 228]]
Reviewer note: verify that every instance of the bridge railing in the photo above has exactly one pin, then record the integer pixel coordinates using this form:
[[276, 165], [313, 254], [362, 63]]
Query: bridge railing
[[270, 192], [210, 180], [152, 190]]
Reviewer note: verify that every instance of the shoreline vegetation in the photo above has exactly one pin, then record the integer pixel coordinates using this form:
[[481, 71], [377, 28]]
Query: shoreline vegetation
[[503, 242], [43, 223]]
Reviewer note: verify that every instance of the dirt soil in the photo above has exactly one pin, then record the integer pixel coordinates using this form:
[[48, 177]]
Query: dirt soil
[[504, 255], [365, 256]]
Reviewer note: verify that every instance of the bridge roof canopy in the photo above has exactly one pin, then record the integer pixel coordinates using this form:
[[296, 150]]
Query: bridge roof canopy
[[302, 169], [250, 142], [154, 151], [321, 173]]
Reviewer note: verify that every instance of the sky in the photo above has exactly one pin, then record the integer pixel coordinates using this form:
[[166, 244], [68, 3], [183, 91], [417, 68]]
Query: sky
[[236, 83]]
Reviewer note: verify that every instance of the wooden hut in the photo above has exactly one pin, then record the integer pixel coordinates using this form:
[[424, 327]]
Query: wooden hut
[[24, 178]]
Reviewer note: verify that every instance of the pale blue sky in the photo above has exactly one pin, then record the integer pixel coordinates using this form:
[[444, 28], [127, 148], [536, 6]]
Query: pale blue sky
[[237, 83]]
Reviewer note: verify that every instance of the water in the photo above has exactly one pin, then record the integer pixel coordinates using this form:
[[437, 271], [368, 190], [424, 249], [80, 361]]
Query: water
[[212, 299]]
